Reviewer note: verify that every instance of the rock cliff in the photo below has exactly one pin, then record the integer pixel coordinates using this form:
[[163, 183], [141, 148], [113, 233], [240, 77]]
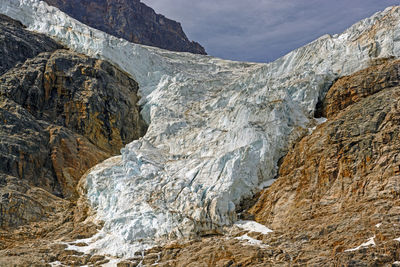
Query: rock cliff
[[61, 113], [131, 20], [338, 187], [18, 44]]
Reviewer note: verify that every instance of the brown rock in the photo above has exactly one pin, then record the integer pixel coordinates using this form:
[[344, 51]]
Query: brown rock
[[341, 180], [72, 155], [211, 251], [348, 90], [83, 110]]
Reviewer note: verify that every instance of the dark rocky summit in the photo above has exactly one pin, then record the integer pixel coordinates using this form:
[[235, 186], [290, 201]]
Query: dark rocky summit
[[131, 20]]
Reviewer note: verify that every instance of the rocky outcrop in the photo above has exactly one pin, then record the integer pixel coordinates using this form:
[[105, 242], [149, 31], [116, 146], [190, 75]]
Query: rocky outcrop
[[383, 73], [338, 187], [88, 96], [18, 44], [77, 112], [131, 20], [21, 203], [61, 113]]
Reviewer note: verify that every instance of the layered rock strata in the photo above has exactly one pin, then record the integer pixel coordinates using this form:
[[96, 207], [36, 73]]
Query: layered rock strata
[[338, 187]]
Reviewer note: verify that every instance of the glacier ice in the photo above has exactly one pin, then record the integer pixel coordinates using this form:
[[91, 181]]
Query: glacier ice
[[217, 127]]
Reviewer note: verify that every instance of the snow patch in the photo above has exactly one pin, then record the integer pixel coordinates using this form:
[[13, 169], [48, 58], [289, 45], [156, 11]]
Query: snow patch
[[251, 240], [266, 184], [318, 121], [112, 262], [253, 226], [321, 120], [370, 242], [56, 264]]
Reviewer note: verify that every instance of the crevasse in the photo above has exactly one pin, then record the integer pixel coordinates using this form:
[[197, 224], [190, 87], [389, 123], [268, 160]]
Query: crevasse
[[217, 127]]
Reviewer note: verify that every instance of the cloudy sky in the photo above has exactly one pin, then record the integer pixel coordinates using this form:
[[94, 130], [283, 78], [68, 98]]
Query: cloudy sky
[[263, 30]]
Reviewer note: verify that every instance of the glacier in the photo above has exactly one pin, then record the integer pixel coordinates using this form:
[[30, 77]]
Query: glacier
[[217, 128]]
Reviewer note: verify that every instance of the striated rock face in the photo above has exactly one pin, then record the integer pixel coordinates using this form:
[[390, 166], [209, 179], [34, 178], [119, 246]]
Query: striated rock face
[[348, 90], [88, 96], [131, 20], [341, 181], [21, 203]]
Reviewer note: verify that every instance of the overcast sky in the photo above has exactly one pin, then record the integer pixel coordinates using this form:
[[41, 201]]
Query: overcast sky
[[263, 30]]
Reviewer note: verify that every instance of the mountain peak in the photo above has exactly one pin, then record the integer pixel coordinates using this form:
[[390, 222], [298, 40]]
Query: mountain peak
[[131, 20]]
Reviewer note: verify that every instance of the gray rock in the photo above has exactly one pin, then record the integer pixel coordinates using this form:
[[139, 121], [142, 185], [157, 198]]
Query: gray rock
[[17, 44], [60, 114]]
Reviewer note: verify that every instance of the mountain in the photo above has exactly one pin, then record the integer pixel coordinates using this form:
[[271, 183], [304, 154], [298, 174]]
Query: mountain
[[131, 20], [237, 167]]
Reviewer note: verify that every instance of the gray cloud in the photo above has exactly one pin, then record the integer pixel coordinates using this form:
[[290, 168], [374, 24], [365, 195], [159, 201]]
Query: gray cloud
[[263, 30]]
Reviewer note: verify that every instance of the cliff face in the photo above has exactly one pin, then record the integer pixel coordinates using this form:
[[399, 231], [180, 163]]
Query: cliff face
[[131, 20], [61, 113], [338, 187], [18, 44]]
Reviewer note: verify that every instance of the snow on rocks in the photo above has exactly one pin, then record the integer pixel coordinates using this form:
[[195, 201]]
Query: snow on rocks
[[251, 241], [253, 226], [370, 242], [217, 127]]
